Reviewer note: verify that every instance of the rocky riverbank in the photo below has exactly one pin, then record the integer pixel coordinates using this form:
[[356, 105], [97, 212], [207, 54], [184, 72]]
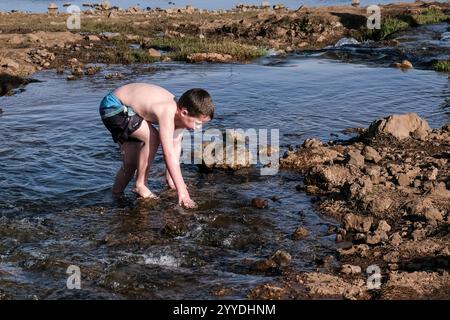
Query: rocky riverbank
[[390, 189], [32, 42]]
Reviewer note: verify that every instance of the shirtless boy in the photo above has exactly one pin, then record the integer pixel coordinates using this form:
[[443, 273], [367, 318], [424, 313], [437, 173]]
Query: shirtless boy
[[129, 112]]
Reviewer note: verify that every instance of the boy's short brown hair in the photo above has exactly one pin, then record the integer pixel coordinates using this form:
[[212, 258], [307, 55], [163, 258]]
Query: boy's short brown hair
[[197, 102]]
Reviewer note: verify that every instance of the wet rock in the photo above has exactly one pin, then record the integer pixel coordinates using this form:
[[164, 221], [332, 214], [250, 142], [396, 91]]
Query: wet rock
[[260, 203], [219, 155], [174, 228], [282, 258], [72, 77], [300, 233], [1, 111], [405, 64], [370, 154], [209, 57], [350, 269], [264, 266], [355, 158], [312, 143], [90, 71], [398, 126], [114, 76], [353, 222], [154, 53]]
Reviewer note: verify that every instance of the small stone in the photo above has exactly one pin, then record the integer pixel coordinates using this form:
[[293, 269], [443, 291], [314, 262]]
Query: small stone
[[370, 154], [357, 223], [433, 214], [403, 180], [312, 143], [393, 266], [349, 269], [360, 237], [405, 64], [432, 175], [396, 239], [373, 240], [260, 203], [355, 158], [92, 38], [71, 77], [282, 258], [418, 234], [383, 226], [154, 53], [300, 233]]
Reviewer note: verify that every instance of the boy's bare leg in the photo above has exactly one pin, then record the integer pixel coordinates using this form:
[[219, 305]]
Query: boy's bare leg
[[130, 155], [143, 134], [154, 144]]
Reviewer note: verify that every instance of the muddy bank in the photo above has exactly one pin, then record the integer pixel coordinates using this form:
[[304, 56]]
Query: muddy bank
[[31, 42], [390, 189]]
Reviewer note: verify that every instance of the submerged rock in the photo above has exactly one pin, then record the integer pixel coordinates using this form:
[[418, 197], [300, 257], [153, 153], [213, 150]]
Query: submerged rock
[[300, 233], [282, 258], [260, 203]]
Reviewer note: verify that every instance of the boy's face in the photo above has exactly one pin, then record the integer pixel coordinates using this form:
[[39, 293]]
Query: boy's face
[[190, 122]]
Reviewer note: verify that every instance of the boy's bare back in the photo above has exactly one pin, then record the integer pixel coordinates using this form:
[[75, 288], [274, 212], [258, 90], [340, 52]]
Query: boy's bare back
[[149, 101]]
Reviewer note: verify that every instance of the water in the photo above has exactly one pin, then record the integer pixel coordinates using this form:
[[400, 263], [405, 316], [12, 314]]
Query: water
[[58, 162], [41, 5]]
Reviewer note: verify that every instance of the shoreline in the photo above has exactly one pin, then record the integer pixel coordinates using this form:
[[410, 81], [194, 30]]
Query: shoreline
[[33, 42], [389, 188]]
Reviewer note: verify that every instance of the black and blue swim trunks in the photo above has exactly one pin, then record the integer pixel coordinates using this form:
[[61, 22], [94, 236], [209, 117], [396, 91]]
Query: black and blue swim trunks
[[119, 119]]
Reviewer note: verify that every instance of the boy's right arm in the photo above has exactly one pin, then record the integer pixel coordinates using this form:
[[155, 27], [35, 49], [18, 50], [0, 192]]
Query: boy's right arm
[[166, 132]]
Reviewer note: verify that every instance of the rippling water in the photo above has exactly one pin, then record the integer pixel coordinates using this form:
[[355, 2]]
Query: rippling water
[[58, 162]]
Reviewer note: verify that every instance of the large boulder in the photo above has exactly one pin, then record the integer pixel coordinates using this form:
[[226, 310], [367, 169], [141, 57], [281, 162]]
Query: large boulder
[[400, 126]]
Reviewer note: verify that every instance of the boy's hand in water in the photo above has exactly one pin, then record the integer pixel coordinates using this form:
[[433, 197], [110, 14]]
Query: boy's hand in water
[[185, 200]]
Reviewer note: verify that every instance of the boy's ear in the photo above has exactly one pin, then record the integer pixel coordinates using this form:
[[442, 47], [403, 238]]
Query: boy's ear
[[184, 112]]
